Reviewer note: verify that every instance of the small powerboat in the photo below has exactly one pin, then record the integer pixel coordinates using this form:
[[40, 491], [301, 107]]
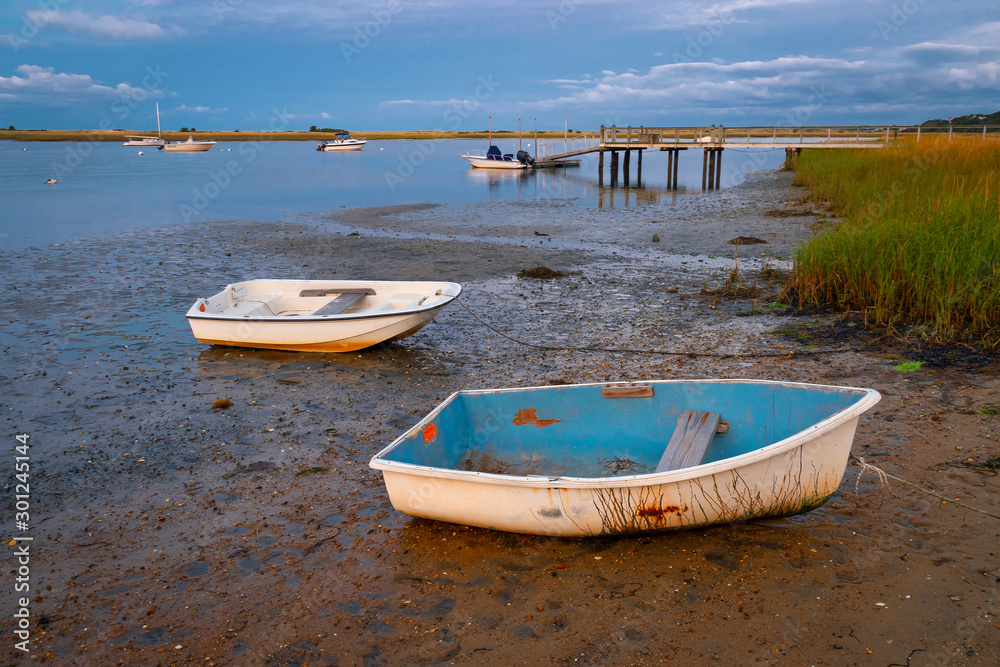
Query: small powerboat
[[342, 141], [494, 159], [189, 146]]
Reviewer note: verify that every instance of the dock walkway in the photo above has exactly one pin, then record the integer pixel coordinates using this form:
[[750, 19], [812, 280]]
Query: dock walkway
[[713, 140]]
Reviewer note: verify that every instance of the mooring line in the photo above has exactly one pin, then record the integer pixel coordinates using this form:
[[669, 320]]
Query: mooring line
[[883, 476], [716, 355]]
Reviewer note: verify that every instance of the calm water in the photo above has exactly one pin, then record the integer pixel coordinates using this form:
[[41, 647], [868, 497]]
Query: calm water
[[105, 188]]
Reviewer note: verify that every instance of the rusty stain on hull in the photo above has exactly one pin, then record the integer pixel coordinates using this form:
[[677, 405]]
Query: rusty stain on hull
[[722, 498], [656, 513], [527, 416]]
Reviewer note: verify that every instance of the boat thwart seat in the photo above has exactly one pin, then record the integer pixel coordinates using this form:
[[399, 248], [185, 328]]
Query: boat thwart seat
[[690, 440], [345, 299]]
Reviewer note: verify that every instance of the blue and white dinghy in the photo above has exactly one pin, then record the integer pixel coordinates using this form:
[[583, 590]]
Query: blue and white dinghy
[[615, 458]]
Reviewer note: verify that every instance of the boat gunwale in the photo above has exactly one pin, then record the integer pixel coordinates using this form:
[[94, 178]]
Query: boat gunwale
[[195, 314], [868, 398]]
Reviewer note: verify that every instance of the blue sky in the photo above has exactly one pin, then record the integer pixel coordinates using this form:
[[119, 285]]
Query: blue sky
[[449, 64]]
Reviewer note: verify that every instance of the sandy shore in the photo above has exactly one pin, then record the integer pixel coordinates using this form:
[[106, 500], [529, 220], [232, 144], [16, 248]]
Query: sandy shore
[[168, 532]]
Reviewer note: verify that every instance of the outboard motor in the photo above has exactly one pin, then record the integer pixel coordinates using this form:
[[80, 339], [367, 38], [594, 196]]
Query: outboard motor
[[525, 158]]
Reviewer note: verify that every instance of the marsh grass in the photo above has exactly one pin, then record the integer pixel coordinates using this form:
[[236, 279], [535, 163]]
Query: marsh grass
[[735, 285], [918, 247]]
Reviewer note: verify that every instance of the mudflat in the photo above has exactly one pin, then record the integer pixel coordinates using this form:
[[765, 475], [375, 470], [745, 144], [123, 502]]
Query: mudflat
[[168, 531]]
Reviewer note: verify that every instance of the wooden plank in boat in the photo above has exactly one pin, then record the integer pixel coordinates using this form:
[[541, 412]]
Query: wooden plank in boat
[[687, 446], [341, 303], [330, 292], [636, 391]]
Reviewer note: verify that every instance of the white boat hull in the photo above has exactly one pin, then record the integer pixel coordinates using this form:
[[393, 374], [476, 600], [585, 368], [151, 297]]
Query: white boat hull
[[484, 163], [790, 476], [346, 146], [151, 142], [241, 315], [189, 147]]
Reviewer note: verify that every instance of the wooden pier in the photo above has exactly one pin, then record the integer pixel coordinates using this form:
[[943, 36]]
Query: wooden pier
[[713, 141]]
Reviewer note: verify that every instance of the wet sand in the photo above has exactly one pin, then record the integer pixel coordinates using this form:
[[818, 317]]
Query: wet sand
[[168, 532]]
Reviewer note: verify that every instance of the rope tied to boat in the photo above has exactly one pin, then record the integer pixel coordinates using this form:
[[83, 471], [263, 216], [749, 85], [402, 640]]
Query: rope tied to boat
[[569, 348], [884, 478], [237, 298]]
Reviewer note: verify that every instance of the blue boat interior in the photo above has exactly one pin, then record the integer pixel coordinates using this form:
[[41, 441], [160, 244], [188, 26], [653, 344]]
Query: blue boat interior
[[494, 154], [577, 431]]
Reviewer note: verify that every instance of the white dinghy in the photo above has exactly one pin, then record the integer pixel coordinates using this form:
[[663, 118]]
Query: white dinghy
[[317, 315], [613, 458]]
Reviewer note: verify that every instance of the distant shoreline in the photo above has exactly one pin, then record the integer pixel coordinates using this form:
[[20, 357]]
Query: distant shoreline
[[119, 136]]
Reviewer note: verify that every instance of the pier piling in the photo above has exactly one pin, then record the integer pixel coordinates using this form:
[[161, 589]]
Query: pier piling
[[673, 155], [711, 167], [713, 141]]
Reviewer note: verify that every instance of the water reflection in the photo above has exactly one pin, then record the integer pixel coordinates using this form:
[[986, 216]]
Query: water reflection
[[115, 190], [569, 183]]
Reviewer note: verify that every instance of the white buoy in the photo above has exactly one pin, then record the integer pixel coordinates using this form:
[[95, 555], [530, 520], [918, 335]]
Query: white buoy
[[140, 153]]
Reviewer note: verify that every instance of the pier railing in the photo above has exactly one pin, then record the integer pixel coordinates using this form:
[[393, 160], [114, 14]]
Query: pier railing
[[567, 147], [681, 138], [612, 138]]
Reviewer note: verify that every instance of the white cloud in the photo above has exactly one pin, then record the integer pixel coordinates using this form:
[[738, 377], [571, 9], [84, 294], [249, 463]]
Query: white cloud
[[43, 85], [810, 88], [102, 27], [951, 52], [201, 109], [695, 14], [296, 116], [984, 34]]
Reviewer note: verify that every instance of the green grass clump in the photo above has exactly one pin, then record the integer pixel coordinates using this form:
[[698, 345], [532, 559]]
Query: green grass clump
[[908, 366], [919, 243]]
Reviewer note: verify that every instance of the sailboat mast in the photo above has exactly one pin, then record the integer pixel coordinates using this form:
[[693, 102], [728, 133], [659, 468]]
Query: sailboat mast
[[491, 130], [158, 121]]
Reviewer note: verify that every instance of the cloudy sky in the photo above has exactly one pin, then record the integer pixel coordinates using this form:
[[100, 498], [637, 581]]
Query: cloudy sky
[[449, 64]]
